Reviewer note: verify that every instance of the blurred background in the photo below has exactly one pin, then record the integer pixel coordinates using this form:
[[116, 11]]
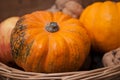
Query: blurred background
[[10, 8]]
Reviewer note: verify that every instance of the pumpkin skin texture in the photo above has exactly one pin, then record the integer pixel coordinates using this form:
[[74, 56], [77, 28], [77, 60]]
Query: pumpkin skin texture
[[49, 42], [101, 19]]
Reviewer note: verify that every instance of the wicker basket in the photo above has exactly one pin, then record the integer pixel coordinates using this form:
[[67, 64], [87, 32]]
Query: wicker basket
[[106, 73]]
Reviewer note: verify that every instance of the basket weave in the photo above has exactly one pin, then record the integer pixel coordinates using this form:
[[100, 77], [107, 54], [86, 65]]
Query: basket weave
[[106, 73]]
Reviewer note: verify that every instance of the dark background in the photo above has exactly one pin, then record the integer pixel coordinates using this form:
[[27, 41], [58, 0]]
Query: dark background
[[20, 7], [10, 8]]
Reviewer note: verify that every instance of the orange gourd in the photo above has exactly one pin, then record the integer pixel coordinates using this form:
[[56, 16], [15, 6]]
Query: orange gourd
[[102, 20], [49, 42]]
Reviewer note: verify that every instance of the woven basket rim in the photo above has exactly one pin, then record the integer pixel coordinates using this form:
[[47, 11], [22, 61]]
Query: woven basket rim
[[100, 73]]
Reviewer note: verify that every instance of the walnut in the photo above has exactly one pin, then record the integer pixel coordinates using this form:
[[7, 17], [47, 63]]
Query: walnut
[[61, 3], [73, 8], [53, 9], [70, 7], [111, 58]]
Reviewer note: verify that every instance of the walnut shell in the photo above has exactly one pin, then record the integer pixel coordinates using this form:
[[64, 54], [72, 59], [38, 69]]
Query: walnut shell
[[111, 58], [61, 3], [73, 8]]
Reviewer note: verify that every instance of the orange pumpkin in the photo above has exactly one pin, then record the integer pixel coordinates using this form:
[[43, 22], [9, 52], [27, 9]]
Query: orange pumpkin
[[49, 42], [102, 20]]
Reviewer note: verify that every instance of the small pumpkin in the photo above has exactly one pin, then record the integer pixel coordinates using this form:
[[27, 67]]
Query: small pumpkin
[[49, 42], [101, 19]]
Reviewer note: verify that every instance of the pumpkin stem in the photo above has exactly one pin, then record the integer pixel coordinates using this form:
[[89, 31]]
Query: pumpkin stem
[[52, 27]]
